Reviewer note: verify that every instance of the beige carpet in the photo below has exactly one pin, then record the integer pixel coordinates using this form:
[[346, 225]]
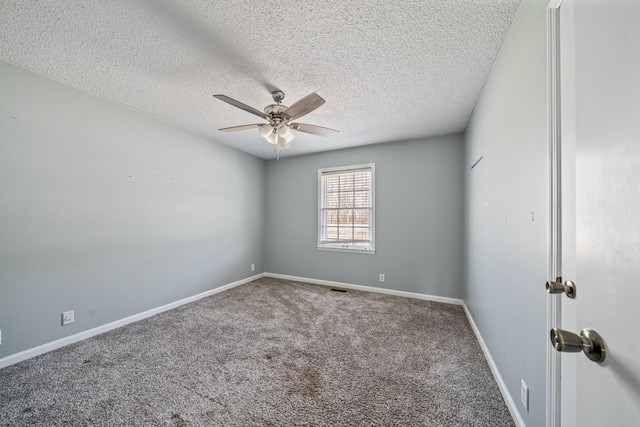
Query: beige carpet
[[268, 353]]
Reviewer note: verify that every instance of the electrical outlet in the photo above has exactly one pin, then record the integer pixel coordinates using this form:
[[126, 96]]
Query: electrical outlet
[[381, 278], [67, 317], [0, 336], [253, 267], [524, 394]]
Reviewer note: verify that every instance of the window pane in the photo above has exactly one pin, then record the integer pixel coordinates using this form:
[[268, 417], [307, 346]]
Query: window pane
[[345, 234], [332, 218], [361, 233], [332, 200], [362, 199], [331, 233], [361, 217], [345, 216], [346, 200], [362, 182], [346, 182]]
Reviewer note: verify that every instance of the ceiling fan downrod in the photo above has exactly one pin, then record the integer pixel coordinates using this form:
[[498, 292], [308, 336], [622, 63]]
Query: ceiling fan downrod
[[278, 96]]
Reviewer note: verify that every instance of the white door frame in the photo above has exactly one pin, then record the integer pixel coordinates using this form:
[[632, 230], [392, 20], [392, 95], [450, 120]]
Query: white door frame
[[554, 302]]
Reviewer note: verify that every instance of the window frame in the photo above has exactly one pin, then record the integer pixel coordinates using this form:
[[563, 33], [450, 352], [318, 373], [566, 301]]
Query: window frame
[[341, 247]]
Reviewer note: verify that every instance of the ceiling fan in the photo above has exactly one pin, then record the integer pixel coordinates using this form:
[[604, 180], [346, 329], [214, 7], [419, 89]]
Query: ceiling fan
[[280, 118]]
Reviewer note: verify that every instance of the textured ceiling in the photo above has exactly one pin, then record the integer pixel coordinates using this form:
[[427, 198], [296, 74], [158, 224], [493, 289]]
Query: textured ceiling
[[389, 70]]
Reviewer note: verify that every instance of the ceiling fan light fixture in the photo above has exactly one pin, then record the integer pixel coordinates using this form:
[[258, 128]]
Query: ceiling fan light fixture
[[281, 136], [283, 143], [273, 138], [285, 132], [265, 130]]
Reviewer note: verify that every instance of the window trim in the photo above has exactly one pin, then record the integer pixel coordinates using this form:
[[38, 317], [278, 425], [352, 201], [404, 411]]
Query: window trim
[[349, 249]]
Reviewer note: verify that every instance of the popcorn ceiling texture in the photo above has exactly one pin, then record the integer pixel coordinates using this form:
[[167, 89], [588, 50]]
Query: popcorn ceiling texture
[[389, 70]]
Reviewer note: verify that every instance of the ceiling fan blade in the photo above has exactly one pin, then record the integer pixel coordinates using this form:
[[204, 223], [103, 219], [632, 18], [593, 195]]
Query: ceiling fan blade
[[241, 127], [242, 106], [313, 129], [304, 106]]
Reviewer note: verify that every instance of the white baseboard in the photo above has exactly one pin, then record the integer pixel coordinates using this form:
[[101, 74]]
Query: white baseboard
[[415, 295], [50, 346], [511, 405]]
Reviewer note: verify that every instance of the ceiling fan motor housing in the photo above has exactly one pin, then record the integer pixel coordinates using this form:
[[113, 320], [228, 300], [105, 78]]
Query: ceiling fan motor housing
[[276, 116], [275, 109]]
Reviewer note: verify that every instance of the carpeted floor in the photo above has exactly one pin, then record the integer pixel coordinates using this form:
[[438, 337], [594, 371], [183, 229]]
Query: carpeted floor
[[268, 353]]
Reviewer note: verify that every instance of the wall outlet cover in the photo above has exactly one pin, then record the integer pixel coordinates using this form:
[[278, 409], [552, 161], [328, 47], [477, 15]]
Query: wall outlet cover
[[524, 394], [67, 317], [381, 277]]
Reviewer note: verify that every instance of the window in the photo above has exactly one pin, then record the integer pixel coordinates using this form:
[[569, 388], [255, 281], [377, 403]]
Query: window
[[346, 209]]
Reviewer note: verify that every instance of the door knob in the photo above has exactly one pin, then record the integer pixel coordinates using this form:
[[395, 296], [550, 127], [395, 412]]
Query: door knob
[[557, 287], [589, 341]]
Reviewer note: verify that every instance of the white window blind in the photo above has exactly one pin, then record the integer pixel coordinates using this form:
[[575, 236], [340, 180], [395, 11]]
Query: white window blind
[[346, 214]]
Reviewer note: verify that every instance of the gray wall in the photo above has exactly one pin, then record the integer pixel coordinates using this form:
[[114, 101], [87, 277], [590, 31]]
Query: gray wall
[[110, 213], [419, 217], [507, 251]]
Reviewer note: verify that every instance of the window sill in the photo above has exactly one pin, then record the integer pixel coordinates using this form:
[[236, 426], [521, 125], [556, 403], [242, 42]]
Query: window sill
[[348, 250]]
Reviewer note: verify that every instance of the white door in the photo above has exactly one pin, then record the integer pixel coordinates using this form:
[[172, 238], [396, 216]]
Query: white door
[[600, 202]]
